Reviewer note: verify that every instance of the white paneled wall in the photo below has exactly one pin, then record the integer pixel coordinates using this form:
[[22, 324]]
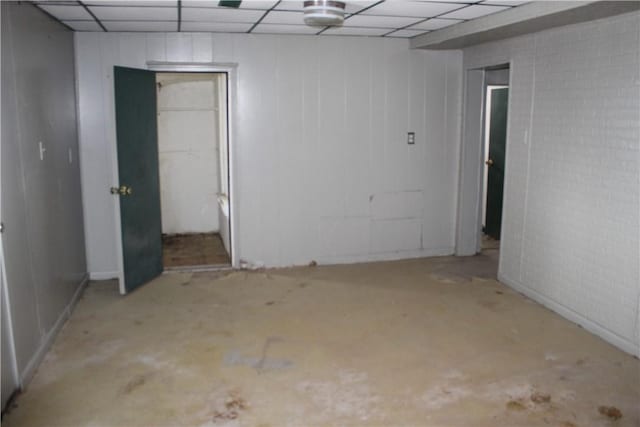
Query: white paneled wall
[[43, 245], [322, 169], [571, 228], [188, 151]]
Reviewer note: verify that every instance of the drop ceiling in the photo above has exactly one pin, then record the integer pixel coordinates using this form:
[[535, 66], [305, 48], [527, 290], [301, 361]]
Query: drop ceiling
[[391, 18]]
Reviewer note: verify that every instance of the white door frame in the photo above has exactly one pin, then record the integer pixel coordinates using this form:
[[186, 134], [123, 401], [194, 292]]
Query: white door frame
[[232, 80]]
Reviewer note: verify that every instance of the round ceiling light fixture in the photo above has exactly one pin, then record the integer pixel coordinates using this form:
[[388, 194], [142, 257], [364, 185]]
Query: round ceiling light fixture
[[322, 13]]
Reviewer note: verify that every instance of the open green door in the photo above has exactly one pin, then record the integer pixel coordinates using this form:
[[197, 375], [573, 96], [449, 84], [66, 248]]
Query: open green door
[[139, 191], [495, 175]]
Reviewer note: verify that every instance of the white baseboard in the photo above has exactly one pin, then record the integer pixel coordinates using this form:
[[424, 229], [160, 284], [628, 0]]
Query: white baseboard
[[354, 259], [103, 275], [386, 256], [27, 374], [589, 325]]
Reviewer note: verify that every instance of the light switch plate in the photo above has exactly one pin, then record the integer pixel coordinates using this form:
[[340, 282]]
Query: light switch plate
[[42, 149]]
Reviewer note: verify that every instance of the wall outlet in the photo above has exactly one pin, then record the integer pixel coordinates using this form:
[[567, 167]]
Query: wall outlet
[[411, 138]]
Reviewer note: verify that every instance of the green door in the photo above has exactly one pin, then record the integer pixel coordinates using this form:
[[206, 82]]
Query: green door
[[137, 136], [495, 175]]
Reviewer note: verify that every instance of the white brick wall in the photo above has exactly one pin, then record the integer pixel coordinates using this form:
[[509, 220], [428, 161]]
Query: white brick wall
[[571, 223]]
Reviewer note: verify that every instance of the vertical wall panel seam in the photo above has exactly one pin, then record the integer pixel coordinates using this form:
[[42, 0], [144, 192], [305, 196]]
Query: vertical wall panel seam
[[637, 326], [345, 109], [446, 104], [529, 143], [370, 146], [278, 65], [458, 141], [407, 149], [83, 172], [425, 77]]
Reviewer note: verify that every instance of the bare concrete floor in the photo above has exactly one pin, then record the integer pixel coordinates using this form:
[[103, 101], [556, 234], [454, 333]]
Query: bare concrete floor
[[431, 342]]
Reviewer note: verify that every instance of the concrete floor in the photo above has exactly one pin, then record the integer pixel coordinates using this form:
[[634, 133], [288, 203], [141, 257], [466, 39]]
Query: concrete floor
[[430, 342]]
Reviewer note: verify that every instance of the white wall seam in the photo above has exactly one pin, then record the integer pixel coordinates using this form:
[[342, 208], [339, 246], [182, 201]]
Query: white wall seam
[[369, 145], [279, 119], [529, 142], [446, 92], [88, 249], [638, 216]]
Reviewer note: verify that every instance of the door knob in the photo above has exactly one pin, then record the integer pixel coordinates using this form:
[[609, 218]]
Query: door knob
[[489, 162], [123, 190]]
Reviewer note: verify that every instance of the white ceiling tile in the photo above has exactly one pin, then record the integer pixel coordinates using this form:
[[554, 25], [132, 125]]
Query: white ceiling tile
[[146, 26], [66, 12], [219, 27], [257, 4], [56, 3], [111, 13], [84, 25], [416, 9], [358, 5], [407, 33], [375, 19], [127, 3], [379, 21], [290, 5], [505, 2], [200, 3], [355, 31], [284, 29], [222, 14], [283, 17], [435, 24], [474, 11], [450, 1], [246, 4]]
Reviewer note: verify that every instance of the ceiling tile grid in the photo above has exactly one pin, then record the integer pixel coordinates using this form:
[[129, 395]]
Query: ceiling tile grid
[[216, 27], [371, 18], [110, 13], [211, 14], [141, 26]]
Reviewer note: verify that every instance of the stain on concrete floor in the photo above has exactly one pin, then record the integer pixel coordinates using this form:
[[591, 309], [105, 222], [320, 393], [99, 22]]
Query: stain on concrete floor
[[382, 344]]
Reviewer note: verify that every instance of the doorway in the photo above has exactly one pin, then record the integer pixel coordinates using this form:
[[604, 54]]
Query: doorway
[[195, 214], [483, 158], [495, 135], [193, 169]]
